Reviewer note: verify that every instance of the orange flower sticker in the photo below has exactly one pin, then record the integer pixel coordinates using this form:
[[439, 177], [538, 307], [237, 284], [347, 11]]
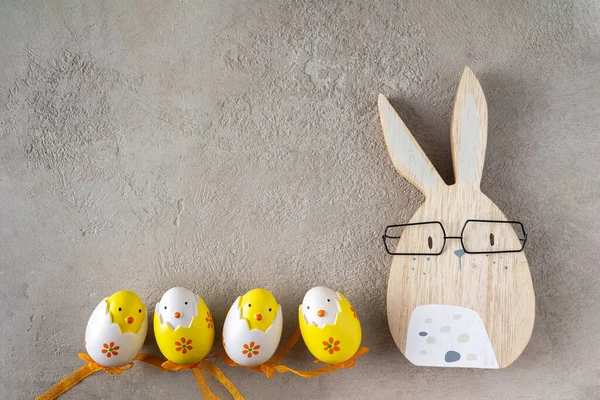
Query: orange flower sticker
[[353, 312], [209, 320], [110, 349], [183, 345], [251, 349], [331, 346]]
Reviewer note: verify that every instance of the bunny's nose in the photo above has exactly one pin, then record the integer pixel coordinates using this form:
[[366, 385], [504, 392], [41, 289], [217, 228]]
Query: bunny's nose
[[258, 317], [176, 314], [321, 313], [130, 320]]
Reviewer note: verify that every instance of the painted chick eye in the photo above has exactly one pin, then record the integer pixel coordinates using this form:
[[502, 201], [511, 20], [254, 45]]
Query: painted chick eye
[[328, 300], [140, 310], [186, 303], [269, 310], [165, 307], [119, 308], [249, 305], [308, 307]]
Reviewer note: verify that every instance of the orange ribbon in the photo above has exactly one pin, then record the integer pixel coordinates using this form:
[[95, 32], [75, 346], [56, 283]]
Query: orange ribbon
[[327, 369], [270, 367], [151, 360], [206, 366], [88, 369]]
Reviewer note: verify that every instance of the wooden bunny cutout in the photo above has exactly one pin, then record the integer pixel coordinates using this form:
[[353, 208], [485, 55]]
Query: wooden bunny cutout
[[460, 291]]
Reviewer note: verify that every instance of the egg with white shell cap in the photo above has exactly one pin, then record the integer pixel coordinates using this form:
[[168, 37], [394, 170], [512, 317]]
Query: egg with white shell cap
[[183, 326]]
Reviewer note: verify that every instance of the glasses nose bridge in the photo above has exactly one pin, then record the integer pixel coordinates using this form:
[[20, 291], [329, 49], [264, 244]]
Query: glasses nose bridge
[[458, 240]]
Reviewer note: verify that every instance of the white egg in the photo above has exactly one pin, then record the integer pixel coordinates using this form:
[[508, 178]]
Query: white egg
[[250, 347], [104, 341]]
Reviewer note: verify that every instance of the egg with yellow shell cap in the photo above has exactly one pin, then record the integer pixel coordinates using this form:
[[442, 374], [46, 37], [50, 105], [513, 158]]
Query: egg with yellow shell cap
[[252, 328], [116, 329], [329, 325], [183, 326]]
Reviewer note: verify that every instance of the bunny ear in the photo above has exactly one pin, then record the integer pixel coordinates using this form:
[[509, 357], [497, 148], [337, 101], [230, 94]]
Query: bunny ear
[[468, 134], [405, 152]]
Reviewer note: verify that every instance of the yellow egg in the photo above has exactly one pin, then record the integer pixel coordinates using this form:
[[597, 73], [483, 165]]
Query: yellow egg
[[116, 329], [329, 325], [183, 326], [252, 328]]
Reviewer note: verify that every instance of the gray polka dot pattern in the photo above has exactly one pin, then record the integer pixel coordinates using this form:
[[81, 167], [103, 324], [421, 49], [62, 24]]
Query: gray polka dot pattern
[[452, 356]]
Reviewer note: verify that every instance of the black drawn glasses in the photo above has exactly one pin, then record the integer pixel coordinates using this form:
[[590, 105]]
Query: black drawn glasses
[[478, 236]]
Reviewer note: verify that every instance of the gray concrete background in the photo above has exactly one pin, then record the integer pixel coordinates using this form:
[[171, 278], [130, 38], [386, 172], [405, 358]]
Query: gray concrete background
[[233, 144]]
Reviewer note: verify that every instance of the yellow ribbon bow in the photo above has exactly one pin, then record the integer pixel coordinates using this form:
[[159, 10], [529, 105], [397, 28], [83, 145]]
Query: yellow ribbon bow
[[328, 368], [89, 368], [206, 366]]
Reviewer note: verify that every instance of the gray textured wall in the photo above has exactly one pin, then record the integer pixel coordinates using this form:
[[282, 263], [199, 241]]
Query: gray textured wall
[[233, 144]]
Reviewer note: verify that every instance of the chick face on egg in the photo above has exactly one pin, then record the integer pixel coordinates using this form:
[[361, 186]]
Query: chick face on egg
[[321, 306], [252, 328], [116, 329], [259, 308], [183, 326], [329, 325], [126, 310]]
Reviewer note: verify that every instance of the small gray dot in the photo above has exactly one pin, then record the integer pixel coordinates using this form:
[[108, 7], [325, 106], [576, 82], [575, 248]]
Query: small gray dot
[[414, 258], [428, 258], [506, 267], [445, 329], [423, 273], [456, 316], [423, 352], [464, 338], [494, 262], [422, 333], [471, 357], [428, 320], [431, 340]]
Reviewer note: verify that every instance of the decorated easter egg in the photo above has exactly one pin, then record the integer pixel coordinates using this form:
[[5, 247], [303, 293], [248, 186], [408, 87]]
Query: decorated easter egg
[[117, 329], [329, 325], [252, 328], [183, 326]]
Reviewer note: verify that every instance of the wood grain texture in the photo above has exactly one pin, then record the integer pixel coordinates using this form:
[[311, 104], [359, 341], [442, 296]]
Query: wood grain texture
[[406, 154], [468, 132], [497, 286]]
